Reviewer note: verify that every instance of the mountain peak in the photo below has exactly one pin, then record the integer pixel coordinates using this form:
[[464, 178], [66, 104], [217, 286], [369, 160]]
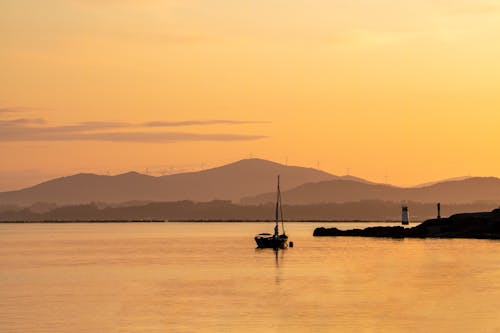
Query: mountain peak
[[255, 161], [130, 174]]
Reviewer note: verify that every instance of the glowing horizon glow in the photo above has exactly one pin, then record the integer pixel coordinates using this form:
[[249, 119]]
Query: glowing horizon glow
[[393, 92]]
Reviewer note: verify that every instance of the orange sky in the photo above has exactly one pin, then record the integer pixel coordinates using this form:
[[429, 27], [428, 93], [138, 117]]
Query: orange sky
[[403, 89]]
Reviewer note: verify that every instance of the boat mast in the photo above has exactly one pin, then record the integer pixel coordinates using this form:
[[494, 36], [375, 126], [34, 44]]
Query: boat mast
[[276, 228], [279, 211]]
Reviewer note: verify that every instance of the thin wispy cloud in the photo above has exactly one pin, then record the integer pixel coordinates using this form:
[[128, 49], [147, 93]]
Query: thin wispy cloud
[[24, 126], [36, 130], [164, 137], [11, 110], [23, 121], [14, 109], [200, 122], [55, 134]]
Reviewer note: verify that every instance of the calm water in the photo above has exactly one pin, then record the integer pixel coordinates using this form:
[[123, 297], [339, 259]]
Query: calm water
[[208, 277]]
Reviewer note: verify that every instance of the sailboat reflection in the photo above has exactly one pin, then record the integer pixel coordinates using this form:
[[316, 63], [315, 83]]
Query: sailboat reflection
[[278, 255]]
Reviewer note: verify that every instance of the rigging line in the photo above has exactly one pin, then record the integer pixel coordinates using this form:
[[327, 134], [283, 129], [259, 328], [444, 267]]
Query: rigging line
[[281, 210]]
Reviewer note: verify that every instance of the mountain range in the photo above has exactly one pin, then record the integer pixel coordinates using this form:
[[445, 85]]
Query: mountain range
[[340, 190], [229, 182], [249, 181]]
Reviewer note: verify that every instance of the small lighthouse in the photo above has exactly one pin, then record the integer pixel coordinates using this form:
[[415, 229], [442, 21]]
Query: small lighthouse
[[404, 215]]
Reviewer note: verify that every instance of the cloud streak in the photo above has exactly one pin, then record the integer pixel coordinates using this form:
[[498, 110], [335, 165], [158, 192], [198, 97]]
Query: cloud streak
[[200, 122], [22, 129], [14, 109], [22, 121]]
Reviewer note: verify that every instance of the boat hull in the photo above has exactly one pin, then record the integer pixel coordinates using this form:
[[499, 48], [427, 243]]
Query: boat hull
[[271, 242]]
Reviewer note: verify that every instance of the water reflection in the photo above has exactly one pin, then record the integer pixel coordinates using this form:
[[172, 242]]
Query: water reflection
[[279, 256]]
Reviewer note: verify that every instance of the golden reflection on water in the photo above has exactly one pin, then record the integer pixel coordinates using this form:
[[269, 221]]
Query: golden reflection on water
[[208, 277]]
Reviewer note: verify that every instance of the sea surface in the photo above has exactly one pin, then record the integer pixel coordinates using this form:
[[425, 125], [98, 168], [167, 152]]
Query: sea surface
[[208, 277]]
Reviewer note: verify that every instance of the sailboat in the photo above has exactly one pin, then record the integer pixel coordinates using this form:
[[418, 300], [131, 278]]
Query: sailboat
[[275, 240]]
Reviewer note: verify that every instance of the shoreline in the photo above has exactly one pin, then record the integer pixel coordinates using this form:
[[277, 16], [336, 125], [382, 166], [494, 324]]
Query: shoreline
[[199, 221]]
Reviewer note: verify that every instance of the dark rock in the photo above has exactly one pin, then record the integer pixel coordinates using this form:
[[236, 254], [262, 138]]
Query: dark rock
[[468, 225]]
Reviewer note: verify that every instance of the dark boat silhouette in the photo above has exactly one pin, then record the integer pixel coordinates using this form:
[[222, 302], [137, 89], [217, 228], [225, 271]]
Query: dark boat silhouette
[[275, 240]]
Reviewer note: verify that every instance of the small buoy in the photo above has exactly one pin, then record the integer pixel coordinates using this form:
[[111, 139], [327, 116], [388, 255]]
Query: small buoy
[[291, 244]]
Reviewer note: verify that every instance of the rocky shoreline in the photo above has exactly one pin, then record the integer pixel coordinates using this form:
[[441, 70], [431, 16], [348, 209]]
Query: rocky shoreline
[[484, 225]]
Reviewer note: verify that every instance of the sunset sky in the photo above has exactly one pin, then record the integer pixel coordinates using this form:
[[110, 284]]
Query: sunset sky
[[403, 91]]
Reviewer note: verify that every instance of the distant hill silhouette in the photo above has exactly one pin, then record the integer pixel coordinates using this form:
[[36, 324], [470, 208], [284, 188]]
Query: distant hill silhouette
[[442, 181], [340, 190], [229, 182], [254, 180]]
